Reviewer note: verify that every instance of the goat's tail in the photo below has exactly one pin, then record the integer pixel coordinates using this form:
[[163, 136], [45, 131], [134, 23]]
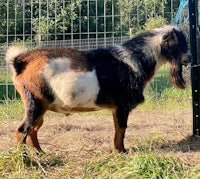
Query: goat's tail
[[12, 55]]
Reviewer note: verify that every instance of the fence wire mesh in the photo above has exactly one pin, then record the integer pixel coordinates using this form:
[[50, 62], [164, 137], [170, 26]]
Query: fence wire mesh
[[82, 24]]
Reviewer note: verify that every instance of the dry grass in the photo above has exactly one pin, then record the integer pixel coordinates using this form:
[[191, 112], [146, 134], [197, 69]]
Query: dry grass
[[76, 141], [85, 133]]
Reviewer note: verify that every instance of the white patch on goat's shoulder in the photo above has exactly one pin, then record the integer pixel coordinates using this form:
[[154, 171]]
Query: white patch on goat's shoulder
[[72, 89], [125, 57]]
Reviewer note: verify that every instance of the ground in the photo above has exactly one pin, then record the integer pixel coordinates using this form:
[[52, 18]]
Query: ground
[[84, 134]]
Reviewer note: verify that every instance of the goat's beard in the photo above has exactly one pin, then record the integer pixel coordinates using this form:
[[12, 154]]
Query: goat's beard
[[176, 75]]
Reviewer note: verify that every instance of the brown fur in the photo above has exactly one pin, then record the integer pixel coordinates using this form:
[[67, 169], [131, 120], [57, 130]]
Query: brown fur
[[119, 135], [117, 78], [32, 82]]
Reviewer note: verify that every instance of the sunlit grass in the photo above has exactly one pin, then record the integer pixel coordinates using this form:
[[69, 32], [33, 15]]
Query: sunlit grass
[[143, 161], [171, 98], [5, 75], [11, 110], [23, 162], [162, 94], [140, 165]]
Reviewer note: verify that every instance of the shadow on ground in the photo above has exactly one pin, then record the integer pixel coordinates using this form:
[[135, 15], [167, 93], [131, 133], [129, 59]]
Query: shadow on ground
[[189, 144]]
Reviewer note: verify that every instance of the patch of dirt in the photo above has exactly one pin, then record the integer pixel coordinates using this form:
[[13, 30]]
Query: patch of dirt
[[84, 134]]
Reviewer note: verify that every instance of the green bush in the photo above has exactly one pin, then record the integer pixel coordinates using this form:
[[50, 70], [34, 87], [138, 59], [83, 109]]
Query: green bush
[[154, 23]]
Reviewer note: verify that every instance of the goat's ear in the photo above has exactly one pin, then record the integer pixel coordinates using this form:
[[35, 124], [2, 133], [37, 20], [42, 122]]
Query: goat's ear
[[170, 38]]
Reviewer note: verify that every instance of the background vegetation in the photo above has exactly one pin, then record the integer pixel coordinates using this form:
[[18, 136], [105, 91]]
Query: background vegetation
[[49, 20], [34, 21], [159, 146]]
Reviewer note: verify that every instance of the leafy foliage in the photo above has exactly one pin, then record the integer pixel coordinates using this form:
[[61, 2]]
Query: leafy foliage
[[55, 20], [154, 23]]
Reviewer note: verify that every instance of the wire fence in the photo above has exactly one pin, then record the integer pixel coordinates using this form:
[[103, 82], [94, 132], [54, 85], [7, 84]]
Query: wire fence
[[82, 24]]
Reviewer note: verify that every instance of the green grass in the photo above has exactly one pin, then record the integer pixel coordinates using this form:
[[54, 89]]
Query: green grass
[[144, 161], [140, 163], [161, 92], [11, 110], [24, 163], [5, 76], [7, 90]]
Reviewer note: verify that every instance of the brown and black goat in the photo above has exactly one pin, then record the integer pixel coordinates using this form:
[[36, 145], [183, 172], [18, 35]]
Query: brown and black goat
[[67, 80]]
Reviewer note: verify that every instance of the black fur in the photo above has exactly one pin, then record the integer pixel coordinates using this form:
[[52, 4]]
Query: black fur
[[19, 65], [47, 92], [119, 83], [34, 109], [116, 79], [122, 73]]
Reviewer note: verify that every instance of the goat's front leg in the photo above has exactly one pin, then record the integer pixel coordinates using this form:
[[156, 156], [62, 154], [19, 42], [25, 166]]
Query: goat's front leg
[[120, 117]]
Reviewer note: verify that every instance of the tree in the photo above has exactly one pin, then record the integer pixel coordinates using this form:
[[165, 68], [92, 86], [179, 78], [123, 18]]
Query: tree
[[11, 21], [42, 20], [136, 13], [56, 18]]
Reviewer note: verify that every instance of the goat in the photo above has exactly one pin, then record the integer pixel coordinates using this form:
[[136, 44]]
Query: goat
[[67, 80]]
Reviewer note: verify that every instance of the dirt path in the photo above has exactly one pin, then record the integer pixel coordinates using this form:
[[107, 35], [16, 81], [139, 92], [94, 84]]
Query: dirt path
[[84, 134]]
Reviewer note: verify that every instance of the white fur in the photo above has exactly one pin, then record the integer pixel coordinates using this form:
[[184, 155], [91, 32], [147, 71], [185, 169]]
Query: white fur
[[166, 28], [155, 44], [12, 53], [71, 88], [126, 57]]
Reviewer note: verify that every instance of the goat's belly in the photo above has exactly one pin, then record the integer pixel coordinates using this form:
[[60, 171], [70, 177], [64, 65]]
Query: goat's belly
[[70, 109]]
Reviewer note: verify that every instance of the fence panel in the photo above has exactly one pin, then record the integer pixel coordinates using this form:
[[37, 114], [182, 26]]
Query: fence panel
[[82, 24]]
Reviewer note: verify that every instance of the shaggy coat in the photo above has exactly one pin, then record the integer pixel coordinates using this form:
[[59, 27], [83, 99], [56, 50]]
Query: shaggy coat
[[66, 80]]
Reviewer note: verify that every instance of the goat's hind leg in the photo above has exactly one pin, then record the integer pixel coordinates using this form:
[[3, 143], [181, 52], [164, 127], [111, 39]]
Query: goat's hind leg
[[28, 128], [32, 137]]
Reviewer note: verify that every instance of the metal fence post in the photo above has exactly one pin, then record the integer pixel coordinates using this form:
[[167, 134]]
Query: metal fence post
[[195, 70]]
